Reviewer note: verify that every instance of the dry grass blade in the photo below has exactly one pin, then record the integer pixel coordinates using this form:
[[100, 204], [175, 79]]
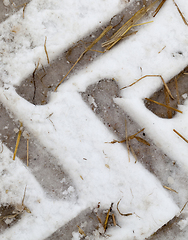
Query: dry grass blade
[[133, 136], [183, 18], [122, 214], [81, 231], [180, 136], [18, 141], [45, 49], [117, 36], [183, 207], [107, 29], [107, 217], [113, 219], [142, 140], [161, 104], [170, 189], [165, 85], [159, 7], [167, 100]]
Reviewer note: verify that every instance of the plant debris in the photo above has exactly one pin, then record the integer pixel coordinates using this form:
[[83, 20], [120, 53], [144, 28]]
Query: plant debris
[[122, 214], [180, 135], [18, 141], [45, 49], [161, 104], [170, 189], [165, 85]]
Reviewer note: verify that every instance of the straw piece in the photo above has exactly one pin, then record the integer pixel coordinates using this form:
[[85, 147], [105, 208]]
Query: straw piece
[[142, 140], [167, 99], [81, 231], [180, 135], [183, 18], [183, 207], [107, 29], [168, 188], [107, 217], [18, 141], [45, 49], [165, 85], [117, 36], [122, 214], [161, 104], [159, 7]]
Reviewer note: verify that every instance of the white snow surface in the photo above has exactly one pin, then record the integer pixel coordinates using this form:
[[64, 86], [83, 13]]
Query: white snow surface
[[78, 133]]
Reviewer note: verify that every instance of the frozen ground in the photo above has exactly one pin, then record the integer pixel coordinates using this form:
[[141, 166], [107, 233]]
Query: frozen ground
[[72, 164]]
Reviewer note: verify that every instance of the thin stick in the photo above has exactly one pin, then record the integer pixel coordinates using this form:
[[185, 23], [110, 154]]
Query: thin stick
[[45, 49], [107, 29], [17, 141], [165, 85], [180, 136], [122, 214], [183, 18], [170, 189], [161, 104], [159, 7]]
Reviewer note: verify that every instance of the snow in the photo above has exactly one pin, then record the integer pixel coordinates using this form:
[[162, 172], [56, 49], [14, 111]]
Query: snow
[[78, 133]]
